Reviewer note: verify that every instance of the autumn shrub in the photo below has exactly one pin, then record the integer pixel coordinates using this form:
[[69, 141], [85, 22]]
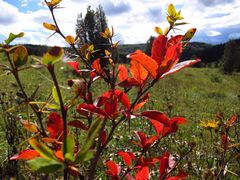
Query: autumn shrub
[[75, 136]]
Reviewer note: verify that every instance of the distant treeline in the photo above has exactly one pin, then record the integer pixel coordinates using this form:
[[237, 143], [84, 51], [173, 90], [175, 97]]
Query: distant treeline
[[206, 52]]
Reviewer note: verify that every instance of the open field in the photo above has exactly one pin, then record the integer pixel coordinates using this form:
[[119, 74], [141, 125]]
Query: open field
[[195, 93]]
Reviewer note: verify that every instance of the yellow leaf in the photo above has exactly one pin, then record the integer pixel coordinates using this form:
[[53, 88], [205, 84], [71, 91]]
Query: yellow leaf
[[107, 32], [91, 48], [171, 10], [50, 26], [158, 30], [53, 2], [107, 53], [189, 34], [54, 55], [166, 31], [69, 39], [103, 35]]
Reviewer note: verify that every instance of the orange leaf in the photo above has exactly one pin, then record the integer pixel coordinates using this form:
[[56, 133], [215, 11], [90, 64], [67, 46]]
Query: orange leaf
[[159, 48], [138, 71], [26, 155], [50, 26], [29, 126], [122, 72], [69, 39], [232, 120], [147, 62]]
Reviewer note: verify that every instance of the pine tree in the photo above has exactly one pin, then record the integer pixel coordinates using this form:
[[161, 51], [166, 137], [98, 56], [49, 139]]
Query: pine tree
[[88, 29], [230, 57]]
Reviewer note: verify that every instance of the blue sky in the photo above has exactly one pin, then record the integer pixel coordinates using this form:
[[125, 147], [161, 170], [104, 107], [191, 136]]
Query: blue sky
[[217, 21]]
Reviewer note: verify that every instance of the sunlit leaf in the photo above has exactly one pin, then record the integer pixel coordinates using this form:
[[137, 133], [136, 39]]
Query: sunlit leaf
[[189, 34], [55, 95], [54, 55], [180, 66], [12, 36], [45, 165], [69, 39], [138, 71], [171, 10], [159, 48], [122, 72], [48, 26], [147, 62], [158, 30], [26, 155]]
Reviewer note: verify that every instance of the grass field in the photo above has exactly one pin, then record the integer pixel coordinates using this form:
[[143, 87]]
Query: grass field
[[194, 93]]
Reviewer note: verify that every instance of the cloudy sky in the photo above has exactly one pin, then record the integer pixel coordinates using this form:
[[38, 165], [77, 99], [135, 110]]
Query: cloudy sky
[[133, 20]]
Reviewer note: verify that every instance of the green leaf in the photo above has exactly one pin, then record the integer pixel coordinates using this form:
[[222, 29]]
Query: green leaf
[[3, 56], [179, 24], [53, 106], [85, 154], [20, 56], [69, 155], [172, 11], [45, 165], [54, 55], [55, 95], [12, 36], [42, 149]]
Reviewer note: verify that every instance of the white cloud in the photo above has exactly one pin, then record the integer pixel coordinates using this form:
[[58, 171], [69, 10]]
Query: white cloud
[[134, 23], [213, 33]]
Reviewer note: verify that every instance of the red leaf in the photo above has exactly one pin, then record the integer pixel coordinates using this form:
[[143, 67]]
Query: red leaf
[[147, 62], [180, 66], [55, 126], [129, 82], [158, 127], [171, 58], [92, 108], [174, 40], [59, 155], [232, 120], [179, 120], [74, 65], [127, 157], [159, 48], [138, 71], [97, 70], [78, 124], [157, 115], [141, 102], [103, 137], [123, 98], [142, 173], [27, 154], [113, 169], [111, 107], [122, 73], [181, 175], [164, 163], [96, 66]]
